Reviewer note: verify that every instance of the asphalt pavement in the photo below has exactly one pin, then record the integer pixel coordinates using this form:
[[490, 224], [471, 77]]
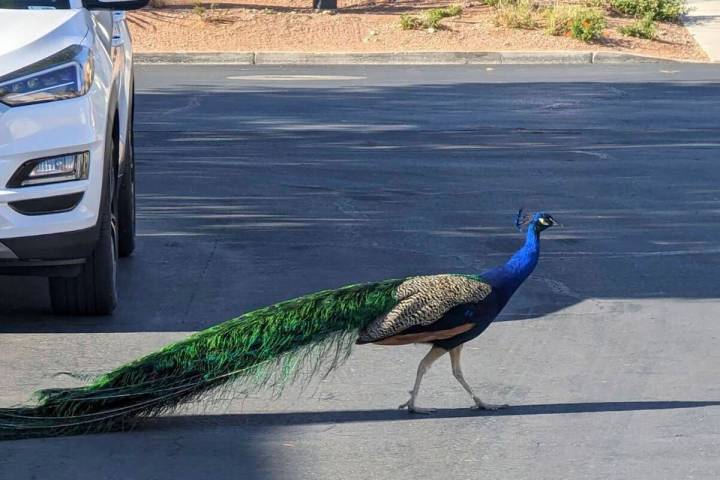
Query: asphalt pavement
[[258, 184]]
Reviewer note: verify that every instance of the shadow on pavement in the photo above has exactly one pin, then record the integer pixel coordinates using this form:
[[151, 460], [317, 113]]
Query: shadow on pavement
[[395, 415], [146, 454], [248, 446], [252, 195]]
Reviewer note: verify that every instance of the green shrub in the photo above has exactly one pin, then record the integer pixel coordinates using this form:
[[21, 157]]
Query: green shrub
[[198, 9], [643, 28], [657, 9], [409, 22], [434, 15], [559, 18], [429, 19], [587, 25], [453, 11], [518, 14], [575, 21]]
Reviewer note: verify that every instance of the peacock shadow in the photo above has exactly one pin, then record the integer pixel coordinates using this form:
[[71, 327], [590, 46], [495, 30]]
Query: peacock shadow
[[395, 415]]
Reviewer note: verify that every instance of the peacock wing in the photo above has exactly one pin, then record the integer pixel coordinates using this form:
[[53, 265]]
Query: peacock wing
[[424, 300]]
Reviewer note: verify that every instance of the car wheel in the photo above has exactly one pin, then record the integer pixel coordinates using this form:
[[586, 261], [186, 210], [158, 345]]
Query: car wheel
[[126, 202], [94, 291]]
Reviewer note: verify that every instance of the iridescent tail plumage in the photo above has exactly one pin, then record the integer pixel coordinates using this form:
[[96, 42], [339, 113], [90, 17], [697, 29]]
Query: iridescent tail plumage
[[265, 347]]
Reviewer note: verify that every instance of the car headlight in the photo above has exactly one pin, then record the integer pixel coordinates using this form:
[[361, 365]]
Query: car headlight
[[66, 74]]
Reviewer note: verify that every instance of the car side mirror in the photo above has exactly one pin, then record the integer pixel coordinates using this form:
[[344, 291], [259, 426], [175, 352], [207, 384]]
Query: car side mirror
[[114, 4]]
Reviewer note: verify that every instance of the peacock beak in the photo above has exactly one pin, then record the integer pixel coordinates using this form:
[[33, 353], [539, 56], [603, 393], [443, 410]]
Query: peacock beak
[[547, 221], [552, 222]]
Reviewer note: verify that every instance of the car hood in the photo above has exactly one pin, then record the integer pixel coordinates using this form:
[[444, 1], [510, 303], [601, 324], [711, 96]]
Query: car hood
[[27, 36]]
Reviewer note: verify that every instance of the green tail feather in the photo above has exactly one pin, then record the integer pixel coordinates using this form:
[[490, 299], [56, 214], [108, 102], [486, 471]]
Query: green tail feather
[[268, 346]]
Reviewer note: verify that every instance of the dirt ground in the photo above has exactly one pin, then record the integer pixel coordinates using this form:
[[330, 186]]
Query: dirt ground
[[366, 26]]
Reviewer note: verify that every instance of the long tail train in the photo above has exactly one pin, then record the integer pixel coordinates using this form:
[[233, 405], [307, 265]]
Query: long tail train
[[266, 346]]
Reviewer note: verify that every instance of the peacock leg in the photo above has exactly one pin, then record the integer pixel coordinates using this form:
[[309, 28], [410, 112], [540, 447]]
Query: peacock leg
[[425, 363], [457, 372]]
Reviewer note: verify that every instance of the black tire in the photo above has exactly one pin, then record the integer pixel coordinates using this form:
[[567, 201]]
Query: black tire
[[126, 198], [94, 291]]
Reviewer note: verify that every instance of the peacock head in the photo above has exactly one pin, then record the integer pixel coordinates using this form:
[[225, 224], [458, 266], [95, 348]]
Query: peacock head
[[538, 222]]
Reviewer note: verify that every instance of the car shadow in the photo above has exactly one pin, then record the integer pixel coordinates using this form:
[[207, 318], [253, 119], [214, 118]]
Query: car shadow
[[251, 195]]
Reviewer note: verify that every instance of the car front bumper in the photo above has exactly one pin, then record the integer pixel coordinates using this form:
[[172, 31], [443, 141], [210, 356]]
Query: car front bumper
[[44, 130]]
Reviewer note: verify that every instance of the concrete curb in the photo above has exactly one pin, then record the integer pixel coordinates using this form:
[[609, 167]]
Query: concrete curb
[[242, 58], [528, 58], [387, 58], [617, 57]]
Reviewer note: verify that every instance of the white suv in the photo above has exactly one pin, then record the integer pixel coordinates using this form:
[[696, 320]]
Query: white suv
[[67, 195]]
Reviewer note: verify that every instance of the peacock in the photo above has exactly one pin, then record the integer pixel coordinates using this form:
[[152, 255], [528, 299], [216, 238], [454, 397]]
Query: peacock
[[271, 346]]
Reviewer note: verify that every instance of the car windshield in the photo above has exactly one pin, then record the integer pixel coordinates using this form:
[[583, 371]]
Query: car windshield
[[35, 4]]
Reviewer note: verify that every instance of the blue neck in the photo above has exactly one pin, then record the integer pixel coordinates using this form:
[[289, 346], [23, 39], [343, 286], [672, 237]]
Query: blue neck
[[510, 276]]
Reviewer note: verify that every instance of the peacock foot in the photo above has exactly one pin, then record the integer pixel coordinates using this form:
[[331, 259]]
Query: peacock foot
[[411, 408], [480, 405]]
